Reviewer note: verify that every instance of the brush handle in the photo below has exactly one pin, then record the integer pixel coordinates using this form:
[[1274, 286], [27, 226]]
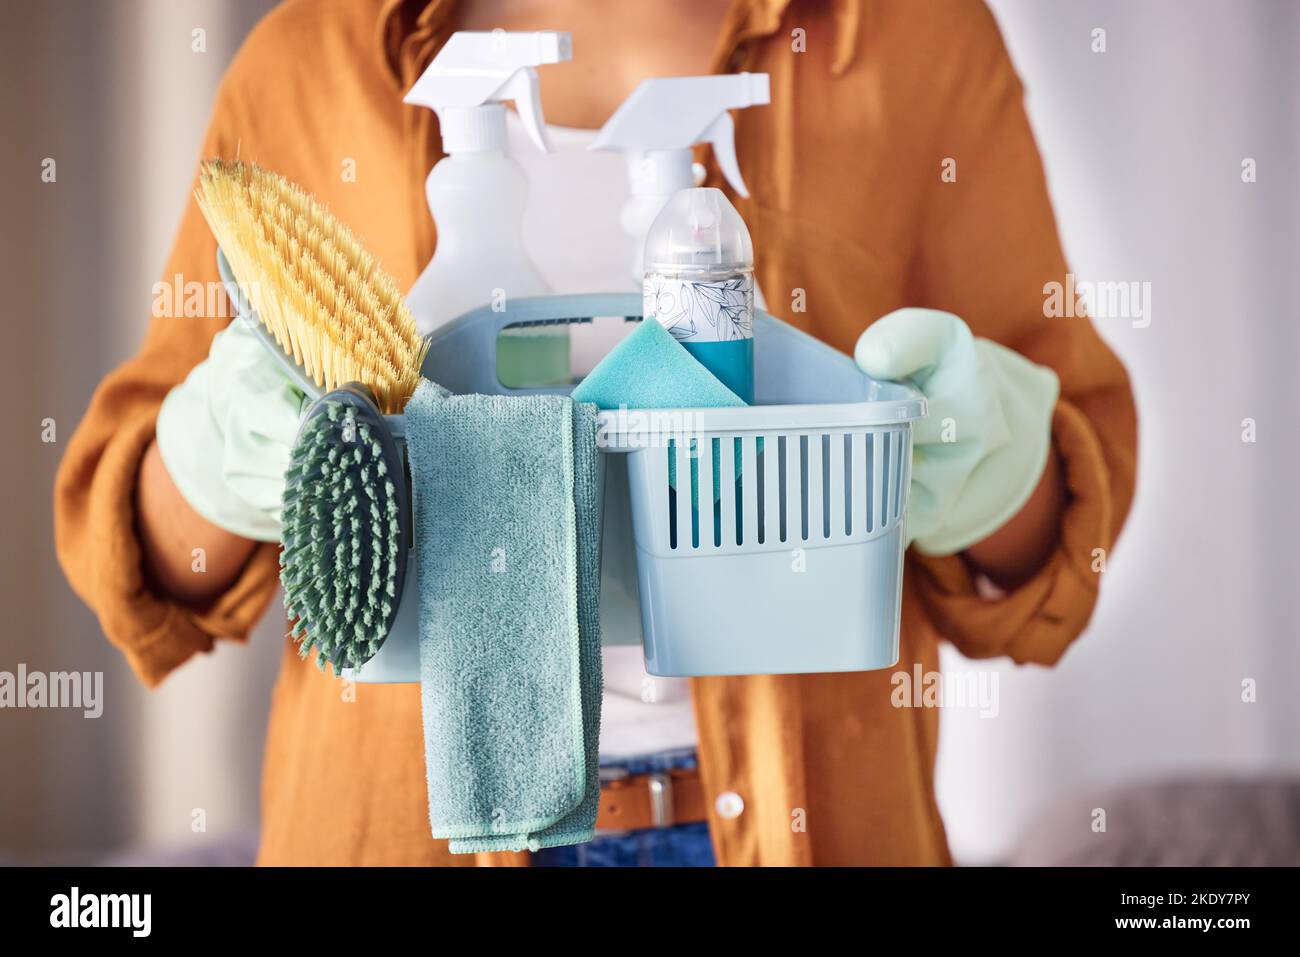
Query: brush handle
[[244, 311]]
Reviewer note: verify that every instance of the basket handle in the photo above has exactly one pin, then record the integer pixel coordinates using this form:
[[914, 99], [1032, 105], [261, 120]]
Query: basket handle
[[463, 353]]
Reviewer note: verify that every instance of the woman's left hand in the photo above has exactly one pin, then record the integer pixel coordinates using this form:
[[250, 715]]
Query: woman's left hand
[[982, 451]]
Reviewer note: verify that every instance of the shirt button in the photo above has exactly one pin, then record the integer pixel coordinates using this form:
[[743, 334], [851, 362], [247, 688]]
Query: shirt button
[[729, 805]]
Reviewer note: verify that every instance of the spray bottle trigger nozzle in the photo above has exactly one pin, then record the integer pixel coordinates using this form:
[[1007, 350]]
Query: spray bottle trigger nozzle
[[523, 87], [721, 136]]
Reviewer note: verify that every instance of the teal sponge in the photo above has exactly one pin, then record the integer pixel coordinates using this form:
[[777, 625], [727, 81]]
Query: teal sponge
[[344, 533], [652, 370]]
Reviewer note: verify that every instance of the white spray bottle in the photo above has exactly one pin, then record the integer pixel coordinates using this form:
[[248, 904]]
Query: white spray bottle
[[477, 192], [656, 127]]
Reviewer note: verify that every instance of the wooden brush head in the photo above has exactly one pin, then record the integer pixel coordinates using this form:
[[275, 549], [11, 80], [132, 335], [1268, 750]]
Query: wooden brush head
[[323, 297]]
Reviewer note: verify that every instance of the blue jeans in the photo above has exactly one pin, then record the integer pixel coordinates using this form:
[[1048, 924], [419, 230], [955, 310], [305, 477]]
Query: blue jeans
[[682, 845]]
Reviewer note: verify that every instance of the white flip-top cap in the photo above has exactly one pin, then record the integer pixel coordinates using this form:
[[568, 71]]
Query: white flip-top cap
[[475, 72], [698, 228]]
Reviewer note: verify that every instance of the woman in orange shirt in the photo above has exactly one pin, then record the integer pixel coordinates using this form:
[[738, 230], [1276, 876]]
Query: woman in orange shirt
[[870, 98]]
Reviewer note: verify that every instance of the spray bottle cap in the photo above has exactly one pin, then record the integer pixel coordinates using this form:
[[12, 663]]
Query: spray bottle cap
[[474, 72], [663, 118], [698, 229]]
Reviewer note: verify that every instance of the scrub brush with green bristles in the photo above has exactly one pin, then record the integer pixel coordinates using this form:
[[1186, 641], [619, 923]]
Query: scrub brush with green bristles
[[346, 530]]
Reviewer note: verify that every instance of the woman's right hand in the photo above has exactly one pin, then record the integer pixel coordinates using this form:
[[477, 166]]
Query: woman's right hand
[[211, 483], [225, 434]]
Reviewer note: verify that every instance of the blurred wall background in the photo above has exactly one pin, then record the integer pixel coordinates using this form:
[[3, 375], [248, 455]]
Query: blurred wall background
[[118, 96], [1143, 145]]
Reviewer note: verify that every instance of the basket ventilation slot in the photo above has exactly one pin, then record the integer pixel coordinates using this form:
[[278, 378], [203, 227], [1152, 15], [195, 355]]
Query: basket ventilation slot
[[795, 488]]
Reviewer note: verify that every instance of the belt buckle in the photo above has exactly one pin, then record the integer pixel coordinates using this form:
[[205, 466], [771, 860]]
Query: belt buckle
[[660, 785], [661, 799]]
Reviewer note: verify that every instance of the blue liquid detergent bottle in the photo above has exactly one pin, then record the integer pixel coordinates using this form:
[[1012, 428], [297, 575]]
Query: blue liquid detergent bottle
[[699, 283]]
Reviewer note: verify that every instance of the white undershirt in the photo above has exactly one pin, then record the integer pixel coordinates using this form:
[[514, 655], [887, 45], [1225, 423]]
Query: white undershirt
[[571, 231]]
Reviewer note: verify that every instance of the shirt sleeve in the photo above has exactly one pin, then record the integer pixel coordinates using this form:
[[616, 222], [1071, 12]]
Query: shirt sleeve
[[94, 495], [989, 251]]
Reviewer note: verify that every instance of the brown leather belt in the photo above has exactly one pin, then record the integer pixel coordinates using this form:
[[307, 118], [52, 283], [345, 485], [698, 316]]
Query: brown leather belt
[[638, 801]]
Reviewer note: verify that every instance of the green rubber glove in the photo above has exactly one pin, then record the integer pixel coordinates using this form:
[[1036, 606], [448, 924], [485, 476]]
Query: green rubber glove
[[980, 453], [225, 434]]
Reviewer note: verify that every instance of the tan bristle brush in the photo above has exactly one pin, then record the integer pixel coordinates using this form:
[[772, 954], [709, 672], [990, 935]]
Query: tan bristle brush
[[324, 298]]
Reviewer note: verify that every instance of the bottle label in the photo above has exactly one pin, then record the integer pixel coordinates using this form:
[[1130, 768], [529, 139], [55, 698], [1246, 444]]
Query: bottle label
[[694, 311]]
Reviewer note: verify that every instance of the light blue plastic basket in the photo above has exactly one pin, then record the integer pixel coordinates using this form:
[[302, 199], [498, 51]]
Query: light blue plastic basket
[[796, 567]]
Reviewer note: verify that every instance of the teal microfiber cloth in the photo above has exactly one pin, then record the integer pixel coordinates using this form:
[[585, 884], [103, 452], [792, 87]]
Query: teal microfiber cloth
[[507, 539]]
